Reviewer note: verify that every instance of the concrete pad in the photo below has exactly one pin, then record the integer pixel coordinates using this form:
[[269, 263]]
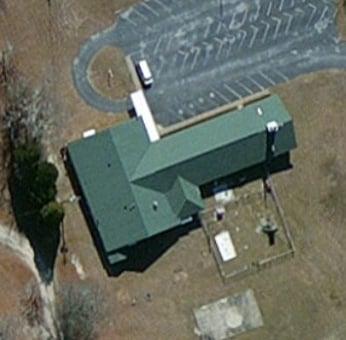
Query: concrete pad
[[228, 317]]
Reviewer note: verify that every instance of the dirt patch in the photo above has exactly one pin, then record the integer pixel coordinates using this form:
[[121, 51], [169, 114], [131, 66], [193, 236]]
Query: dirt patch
[[334, 200], [109, 74], [14, 278]]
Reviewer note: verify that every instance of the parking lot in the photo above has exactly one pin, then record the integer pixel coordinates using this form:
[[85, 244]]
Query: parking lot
[[204, 54]]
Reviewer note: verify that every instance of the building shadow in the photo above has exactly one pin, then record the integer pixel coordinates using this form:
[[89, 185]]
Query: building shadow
[[143, 254], [243, 177]]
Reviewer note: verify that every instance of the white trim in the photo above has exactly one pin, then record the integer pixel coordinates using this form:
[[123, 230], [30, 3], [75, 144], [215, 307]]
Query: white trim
[[142, 109], [89, 133]]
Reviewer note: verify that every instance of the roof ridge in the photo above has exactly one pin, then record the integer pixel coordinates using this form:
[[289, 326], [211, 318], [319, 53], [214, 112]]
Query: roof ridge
[[137, 177], [130, 182]]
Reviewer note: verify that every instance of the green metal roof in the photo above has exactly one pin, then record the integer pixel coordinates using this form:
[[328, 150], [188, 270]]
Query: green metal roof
[[135, 189], [185, 198], [103, 178], [240, 133]]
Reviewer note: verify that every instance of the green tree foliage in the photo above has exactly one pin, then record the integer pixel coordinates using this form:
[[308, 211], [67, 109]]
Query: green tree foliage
[[43, 189], [35, 182], [52, 214], [28, 154], [26, 159], [47, 174]]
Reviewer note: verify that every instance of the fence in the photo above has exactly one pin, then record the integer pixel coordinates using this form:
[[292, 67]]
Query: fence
[[260, 264]]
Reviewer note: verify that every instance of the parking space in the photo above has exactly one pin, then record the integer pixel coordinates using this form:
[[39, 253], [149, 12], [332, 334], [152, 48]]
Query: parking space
[[204, 54]]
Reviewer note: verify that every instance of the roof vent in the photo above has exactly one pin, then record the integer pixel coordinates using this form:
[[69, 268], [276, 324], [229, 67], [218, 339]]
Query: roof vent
[[155, 205], [259, 111], [273, 126]]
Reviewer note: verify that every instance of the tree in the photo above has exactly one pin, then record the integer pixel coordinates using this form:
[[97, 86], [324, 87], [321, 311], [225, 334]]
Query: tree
[[47, 174], [25, 119], [52, 214], [80, 310], [43, 189], [26, 159], [27, 155]]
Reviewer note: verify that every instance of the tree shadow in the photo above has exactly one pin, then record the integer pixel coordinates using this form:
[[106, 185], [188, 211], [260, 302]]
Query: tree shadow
[[44, 241]]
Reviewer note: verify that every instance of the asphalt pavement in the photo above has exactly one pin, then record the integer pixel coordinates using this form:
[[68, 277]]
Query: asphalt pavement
[[206, 53]]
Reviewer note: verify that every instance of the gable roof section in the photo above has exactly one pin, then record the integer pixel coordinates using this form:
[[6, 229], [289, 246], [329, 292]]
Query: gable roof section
[[185, 198], [104, 181], [226, 144]]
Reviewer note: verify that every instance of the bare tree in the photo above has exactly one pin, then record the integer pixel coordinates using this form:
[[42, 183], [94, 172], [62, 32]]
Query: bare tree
[[80, 310], [24, 114], [26, 111]]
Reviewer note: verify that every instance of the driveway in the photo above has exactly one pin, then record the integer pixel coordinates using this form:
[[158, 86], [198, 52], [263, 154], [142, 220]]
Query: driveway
[[206, 53]]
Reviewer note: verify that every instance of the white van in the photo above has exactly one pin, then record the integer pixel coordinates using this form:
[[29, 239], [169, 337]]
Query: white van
[[144, 73]]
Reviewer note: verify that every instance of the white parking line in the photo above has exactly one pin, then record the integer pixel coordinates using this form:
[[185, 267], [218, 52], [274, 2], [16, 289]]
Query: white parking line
[[255, 31], [207, 31], [208, 49], [244, 87], [135, 11], [277, 28], [221, 44], [280, 74], [218, 29], [167, 8], [281, 5], [265, 31], [126, 18], [335, 13], [314, 10], [289, 23], [161, 65], [269, 9], [257, 13], [156, 48], [243, 38], [168, 46], [196, 51], [256, 83], [226, 99], [145, 5], [269, 80], [238, 24], [185, 57], [326, 9], [231, 90]]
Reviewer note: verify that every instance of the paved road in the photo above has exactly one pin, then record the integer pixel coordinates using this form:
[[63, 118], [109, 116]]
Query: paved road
[[205, 53]]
